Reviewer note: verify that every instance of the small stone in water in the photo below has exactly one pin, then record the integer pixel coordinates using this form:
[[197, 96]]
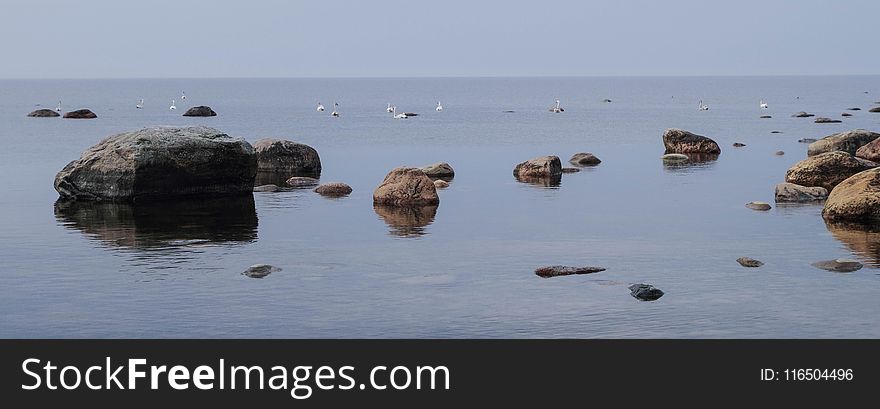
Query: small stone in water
[[260, 270], [645, 292]]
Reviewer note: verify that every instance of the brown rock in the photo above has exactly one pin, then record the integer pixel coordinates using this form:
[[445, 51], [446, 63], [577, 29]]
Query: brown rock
[[584, 159], [856, 199], [80, 114], [848, 142], [556, 271], [286, 157], [441, 184], [542, 166], [826, 169], [870, 151], [681, 141], [792, 193], [44, 113], [335, 189], [406, 187]]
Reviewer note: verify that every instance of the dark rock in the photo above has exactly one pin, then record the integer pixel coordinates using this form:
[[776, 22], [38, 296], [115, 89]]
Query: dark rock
[[160, 162], [855, 109], [761, 206], [792, 193], [823, 120], [406, 187], [302, 181], [681, 141], [766, 117], [775, 132], [542, 166], [570, 170], [645, 292], [826, 169], [584, 159], [846, 114], [802, 114], [738, 145], [335, 189], [44, 113], [260, 270], [200, 111], [556, 271], [439, 170], [779, 153], [606, 100], [278, 156], [807, 140], [839, 265], [875, 109], [749, 262], [80, 114]]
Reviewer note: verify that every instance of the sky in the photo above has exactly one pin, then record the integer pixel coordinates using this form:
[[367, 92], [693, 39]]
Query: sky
[[440, 38]]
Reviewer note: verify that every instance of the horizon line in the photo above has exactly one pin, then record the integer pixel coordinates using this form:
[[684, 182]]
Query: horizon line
[[443, 77]]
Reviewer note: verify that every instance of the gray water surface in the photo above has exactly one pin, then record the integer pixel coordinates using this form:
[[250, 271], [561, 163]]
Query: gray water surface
[[466, 268]]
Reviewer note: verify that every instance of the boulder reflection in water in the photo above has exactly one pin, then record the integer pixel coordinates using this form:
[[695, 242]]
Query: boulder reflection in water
[[157, 224], [406, 221], [862, 239]]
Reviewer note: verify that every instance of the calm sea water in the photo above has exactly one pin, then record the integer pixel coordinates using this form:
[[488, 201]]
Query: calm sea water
[[466, 269]]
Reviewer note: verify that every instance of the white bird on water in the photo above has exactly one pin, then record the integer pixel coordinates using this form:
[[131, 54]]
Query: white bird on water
[[182, 95], [140, 104], [172, 107], [703, 107], [58, 108], [320, 107], [390, 109], [395, 115], [764, 105], [439, 107], [557, 109], [335, 112]]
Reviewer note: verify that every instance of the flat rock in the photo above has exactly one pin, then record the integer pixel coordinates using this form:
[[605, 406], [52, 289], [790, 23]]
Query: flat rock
[[839, 265], [848, 142], [775, 132], [260, 270], [266, 188], [807, 140], [875, 109], [749, 262], [542, 166], [302, 181], [846, 114], [645, 292], [201, 110], [44, 113], [406, 187], [738, 145], [674, 157], [854, 109], [439, 170], [792, 193], [556, 271], [826, 169], [441, 184], [761, 206], [80, 114], [802, 114], [765, 117], [570, 170], [584, 159], [160, 162], [681, 141], [779, 153], [335, 189], [823, 120]]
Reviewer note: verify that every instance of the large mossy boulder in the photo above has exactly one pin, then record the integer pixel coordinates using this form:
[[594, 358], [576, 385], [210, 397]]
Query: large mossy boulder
[[827, 169], [849, 142]]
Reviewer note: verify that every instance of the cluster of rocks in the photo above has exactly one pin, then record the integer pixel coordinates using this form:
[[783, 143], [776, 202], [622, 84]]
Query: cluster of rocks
[[642, 292], [547, 170]]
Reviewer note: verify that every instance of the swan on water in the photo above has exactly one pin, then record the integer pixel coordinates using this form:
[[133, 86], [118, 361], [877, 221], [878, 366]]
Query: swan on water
[[320, 107], [703, 107], [557, 109], [764, 105], [390, 109], [182, 95], [335, 112], [439, 107], [58, 108], [395, 115], [140, 104], [173, 106]]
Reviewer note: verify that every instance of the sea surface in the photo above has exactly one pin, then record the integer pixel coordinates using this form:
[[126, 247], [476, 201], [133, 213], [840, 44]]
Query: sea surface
[[466, 268]]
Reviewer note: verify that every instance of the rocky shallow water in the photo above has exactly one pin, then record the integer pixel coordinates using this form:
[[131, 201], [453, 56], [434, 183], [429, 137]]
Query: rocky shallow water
[[464, 268]]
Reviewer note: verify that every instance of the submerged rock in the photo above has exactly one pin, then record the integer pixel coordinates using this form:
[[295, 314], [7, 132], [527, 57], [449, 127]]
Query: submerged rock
[[738, 145], [570, 170], [645, 292], [542, 166], [823, 120], [674, 157], [439, 170], [200, 111], [681, 141], [160, 162], [749, 262], [856, 199], [846, 114], [792, 193], [775, 132], [441, 184], [826, 169], [807, 140], [335, 189], [44, 113], [80, 114], [855, 109], [286, 157], [839, 265], [302, 181], [765, 117], [802, 114], [848, 142], [260, 270], [556, 271], [266, 188], [584, 159], [779, 153], [761, 206], [406, 187], [875, 109]]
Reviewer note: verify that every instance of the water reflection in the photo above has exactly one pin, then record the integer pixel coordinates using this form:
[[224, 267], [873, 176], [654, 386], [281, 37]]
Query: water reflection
[[160, 224], [406, 221], [863, 240], [696, 161], [541, 181], [279, 179]]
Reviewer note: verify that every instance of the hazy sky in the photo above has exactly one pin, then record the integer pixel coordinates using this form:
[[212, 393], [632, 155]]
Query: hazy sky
[[268, 38]]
